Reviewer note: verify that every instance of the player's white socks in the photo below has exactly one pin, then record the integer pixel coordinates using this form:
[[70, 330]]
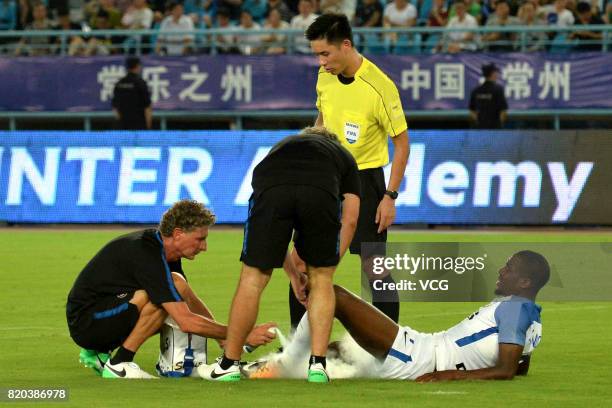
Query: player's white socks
[[300, 342]]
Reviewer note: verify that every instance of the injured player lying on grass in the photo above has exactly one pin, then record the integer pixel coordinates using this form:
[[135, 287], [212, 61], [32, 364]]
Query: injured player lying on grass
[[495, 342]]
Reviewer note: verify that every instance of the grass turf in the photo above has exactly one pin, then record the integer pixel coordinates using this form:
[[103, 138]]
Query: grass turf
[[570, 368]]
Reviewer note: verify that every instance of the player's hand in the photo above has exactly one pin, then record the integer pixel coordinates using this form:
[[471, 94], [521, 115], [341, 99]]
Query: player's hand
[[261, 334], [437, 376], [385, 213], [299, 284]]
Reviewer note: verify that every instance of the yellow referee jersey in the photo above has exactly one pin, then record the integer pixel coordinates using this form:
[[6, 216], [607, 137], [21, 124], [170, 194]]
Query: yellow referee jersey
[[363, 113]]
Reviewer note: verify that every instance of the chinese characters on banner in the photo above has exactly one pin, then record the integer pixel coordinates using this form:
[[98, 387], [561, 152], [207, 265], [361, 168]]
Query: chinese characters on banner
[[425, 82]]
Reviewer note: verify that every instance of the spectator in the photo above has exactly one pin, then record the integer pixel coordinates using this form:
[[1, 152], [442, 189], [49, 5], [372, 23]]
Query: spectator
[[256, 8], [501, 41], [250, 43], [399, 13], [558, 15], [472, 7], [112, 16], [8, 15], [302, 21], [226, 42], [138, 16], [282, 8], [587, 40], [488, 105], [346, 7], [64, 24], [97, 44], [369, 14], [132, 99], [275, 43], [438, 16], [457, 41], [534, 40], [175, 44], [36, 46]]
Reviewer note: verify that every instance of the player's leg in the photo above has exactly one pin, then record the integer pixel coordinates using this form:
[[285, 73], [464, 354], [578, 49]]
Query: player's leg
[[321, 302], [372, 192], [244, 309], [267, 233], [317, 242], [296, 309], [149, 321], [371, 329]]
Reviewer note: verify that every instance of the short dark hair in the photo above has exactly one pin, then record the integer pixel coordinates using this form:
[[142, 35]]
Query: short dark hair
[[132, 62], [489, 69], [534, 266], [583, 7], [332, 27]]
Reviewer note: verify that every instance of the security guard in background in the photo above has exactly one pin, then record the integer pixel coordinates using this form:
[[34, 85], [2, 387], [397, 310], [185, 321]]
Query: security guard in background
[[488, 105], [132, 100]]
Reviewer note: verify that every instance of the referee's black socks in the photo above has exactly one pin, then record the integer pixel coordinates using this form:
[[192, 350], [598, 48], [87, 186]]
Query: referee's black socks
[[387, 300]]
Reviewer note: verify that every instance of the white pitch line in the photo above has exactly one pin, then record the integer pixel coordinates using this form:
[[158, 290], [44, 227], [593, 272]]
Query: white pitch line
[[440, 392]]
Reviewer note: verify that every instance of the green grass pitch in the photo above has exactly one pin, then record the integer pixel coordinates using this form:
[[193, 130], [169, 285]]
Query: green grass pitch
[[572, 366]]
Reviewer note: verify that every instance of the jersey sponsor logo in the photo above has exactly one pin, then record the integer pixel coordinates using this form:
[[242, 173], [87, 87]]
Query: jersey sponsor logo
[[351, 132], [121, 295]]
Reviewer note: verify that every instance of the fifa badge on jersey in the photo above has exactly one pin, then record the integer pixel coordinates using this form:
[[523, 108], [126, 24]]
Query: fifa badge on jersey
[[351, 132]]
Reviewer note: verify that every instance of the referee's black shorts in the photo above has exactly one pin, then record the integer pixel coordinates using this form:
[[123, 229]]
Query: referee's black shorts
[[273, 215], [105, 325], [372, 192]]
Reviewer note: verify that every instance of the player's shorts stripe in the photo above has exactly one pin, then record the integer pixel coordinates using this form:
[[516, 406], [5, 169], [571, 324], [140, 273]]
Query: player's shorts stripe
[[476, 336], [400, 356], [168, 274], [111, 312], [245, 244]]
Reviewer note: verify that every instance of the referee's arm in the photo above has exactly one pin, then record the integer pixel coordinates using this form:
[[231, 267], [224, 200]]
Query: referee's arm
[[385, 214]]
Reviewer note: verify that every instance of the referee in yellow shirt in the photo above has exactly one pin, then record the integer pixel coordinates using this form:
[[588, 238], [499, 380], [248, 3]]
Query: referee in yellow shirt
[[360, 104]]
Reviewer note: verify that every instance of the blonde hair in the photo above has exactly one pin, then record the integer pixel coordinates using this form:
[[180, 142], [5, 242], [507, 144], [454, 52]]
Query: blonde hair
[[319, 131]]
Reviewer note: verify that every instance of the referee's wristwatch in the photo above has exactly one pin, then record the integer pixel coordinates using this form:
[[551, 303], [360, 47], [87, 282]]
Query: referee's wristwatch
[[392, 194]]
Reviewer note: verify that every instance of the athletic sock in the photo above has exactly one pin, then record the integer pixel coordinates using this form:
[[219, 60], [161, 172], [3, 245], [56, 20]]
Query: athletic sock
[[122, 355], [296, 309], [318, 359], [226, 363], [387, 301]]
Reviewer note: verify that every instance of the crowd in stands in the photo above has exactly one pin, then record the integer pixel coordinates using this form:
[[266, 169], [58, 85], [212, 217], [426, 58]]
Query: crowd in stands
[[254, 15]]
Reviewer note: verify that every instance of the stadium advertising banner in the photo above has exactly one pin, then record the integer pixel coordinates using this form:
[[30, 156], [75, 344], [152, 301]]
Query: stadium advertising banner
[[453, 177], [543, 81]]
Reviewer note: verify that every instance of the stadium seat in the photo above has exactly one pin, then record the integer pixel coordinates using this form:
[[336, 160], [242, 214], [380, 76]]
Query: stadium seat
[[375, 44], [424, 11], [408, 44]]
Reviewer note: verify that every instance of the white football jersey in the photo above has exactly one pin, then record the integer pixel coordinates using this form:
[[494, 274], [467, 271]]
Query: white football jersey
[[474, 342]]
